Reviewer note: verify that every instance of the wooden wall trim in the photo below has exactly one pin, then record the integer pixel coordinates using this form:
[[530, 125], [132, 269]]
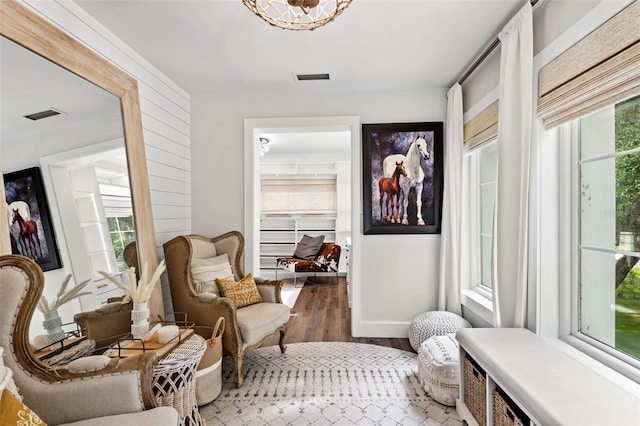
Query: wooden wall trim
[[28, 29]]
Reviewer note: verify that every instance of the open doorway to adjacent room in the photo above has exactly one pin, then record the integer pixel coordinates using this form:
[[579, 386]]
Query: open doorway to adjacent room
[[298, 180]]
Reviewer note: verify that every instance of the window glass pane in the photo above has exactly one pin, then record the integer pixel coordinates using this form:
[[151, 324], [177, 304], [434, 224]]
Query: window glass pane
[[488, 161], [610, 226], [612, 129], [487, 204], [122, 232], [126, 223], [608, 312], [485, 266], [598, 203], [488, 171]]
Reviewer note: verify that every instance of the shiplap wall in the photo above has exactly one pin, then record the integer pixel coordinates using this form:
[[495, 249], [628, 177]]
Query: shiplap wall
[[166, 119]]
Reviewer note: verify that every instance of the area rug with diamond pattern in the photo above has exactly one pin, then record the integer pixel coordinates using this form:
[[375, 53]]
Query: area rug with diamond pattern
[[327, 383]]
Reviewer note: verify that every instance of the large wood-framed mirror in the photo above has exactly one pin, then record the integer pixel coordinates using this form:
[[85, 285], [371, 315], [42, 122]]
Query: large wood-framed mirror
[[29, 30]]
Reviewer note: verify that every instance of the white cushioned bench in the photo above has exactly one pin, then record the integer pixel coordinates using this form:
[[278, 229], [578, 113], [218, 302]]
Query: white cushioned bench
[[549, 385]]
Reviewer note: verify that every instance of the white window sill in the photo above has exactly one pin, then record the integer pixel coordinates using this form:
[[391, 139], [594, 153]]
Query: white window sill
[[627, 375], [478, 303]]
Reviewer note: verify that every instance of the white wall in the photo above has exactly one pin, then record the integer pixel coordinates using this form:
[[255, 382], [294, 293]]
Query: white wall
[[399, 273], [165, 118]]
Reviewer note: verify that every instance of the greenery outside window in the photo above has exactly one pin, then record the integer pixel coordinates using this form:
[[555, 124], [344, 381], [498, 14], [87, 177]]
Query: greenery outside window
[[122, 231], [609, 227]]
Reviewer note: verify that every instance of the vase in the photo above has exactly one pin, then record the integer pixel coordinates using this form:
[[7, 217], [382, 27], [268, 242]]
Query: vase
[[53, 326], [139, 320]]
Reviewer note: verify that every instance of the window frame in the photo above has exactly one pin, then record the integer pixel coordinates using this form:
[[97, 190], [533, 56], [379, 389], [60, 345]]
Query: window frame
[[569, 330], [474, 295]]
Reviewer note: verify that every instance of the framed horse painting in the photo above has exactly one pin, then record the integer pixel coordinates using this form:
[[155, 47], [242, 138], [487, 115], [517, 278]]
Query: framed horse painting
[[28, 217], [402, 177]]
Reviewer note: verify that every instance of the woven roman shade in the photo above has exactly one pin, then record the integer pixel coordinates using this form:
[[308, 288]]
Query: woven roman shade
[[482, 127], [602, 68]]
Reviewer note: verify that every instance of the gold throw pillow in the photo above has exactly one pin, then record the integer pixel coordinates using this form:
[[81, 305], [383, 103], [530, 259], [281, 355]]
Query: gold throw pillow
[[14, 412], [245, 292]]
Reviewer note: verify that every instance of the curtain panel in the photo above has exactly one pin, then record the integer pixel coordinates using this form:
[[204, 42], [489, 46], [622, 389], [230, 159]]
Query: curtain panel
[[511, 220], [450, 246]]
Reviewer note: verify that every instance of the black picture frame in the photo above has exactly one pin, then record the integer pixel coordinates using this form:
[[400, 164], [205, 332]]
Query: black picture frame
[[25, 196], [392, 142]]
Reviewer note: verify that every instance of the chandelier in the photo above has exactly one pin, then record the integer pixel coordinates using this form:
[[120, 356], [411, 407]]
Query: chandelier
[[297, 14]]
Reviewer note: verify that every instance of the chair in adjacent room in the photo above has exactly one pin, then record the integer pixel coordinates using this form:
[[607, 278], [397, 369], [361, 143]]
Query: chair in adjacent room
[[327, 259], [193, 264], [95, 390]]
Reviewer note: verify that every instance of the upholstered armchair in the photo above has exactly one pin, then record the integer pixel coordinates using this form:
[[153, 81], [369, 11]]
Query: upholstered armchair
[[106, 324], [122, 389], [247, 327]]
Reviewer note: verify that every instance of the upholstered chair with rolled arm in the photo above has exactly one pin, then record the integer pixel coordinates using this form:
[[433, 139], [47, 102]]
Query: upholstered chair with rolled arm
[[100, 392], [246, 327]]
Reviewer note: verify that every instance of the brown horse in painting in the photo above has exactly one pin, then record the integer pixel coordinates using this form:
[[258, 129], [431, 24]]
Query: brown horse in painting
[[28, 233], [391, 188]]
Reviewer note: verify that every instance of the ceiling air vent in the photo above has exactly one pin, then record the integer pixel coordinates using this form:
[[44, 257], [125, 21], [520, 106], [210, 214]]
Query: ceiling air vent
[[43, 114], [310, 77]]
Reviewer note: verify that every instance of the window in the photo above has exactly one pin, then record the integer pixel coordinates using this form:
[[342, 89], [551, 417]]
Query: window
[[298, 195], [488, 169], [608, 242], [122, 232], [480, 167]]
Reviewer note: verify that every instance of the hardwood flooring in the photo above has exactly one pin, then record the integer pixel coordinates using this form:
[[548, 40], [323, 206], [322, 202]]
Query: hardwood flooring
[[322, 314]]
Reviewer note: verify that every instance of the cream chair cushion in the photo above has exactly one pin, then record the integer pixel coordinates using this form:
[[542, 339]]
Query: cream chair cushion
[[157, 416], [259, 320]]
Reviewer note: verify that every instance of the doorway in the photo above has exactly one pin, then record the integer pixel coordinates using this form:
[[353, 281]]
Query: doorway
[[311, 127]]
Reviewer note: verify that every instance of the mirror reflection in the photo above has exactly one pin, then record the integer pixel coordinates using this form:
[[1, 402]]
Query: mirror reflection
[[75, 136]]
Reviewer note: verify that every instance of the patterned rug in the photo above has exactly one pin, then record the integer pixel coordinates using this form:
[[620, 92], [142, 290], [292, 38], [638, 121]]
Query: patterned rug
[[327, 383]]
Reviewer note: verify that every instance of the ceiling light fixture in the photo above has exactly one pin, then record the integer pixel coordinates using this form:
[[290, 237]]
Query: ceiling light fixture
[[264, 146], [297, 14]]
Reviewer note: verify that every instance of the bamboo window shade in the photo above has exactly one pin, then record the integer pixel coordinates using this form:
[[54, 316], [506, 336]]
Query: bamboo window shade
[[600, 69], [482, 127]]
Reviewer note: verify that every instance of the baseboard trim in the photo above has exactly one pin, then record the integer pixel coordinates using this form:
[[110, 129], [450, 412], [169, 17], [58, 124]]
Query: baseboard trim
[[388, 330]]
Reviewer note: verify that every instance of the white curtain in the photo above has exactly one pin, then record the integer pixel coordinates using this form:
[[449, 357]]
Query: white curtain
[[449, 286], [511, 222]]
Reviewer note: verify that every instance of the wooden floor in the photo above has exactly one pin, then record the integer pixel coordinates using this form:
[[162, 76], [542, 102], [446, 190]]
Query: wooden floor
[[322, 314]]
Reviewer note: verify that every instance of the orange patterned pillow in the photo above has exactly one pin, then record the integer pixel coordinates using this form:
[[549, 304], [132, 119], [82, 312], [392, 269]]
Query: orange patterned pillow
[[14, 412], [245, 292]]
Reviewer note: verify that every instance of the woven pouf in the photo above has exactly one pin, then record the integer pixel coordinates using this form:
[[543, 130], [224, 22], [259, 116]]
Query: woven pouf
[[439, 368], [434, 323]]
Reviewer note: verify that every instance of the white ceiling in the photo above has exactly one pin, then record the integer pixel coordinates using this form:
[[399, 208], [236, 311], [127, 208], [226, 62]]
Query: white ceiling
[[30, 84], [214, 46], [208, 46]]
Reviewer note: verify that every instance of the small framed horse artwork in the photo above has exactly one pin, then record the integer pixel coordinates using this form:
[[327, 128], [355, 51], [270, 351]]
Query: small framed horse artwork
[[402, 177], [28, 217]]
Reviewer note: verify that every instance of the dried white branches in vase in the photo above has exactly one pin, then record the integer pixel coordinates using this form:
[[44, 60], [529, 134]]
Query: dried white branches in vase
[[139, 292], [52, 322]]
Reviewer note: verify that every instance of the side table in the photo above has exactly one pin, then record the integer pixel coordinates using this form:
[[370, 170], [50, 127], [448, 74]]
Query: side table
[[174, 380]]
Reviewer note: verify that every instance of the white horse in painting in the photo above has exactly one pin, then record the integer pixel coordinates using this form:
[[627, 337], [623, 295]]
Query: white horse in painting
[[415, 175]]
